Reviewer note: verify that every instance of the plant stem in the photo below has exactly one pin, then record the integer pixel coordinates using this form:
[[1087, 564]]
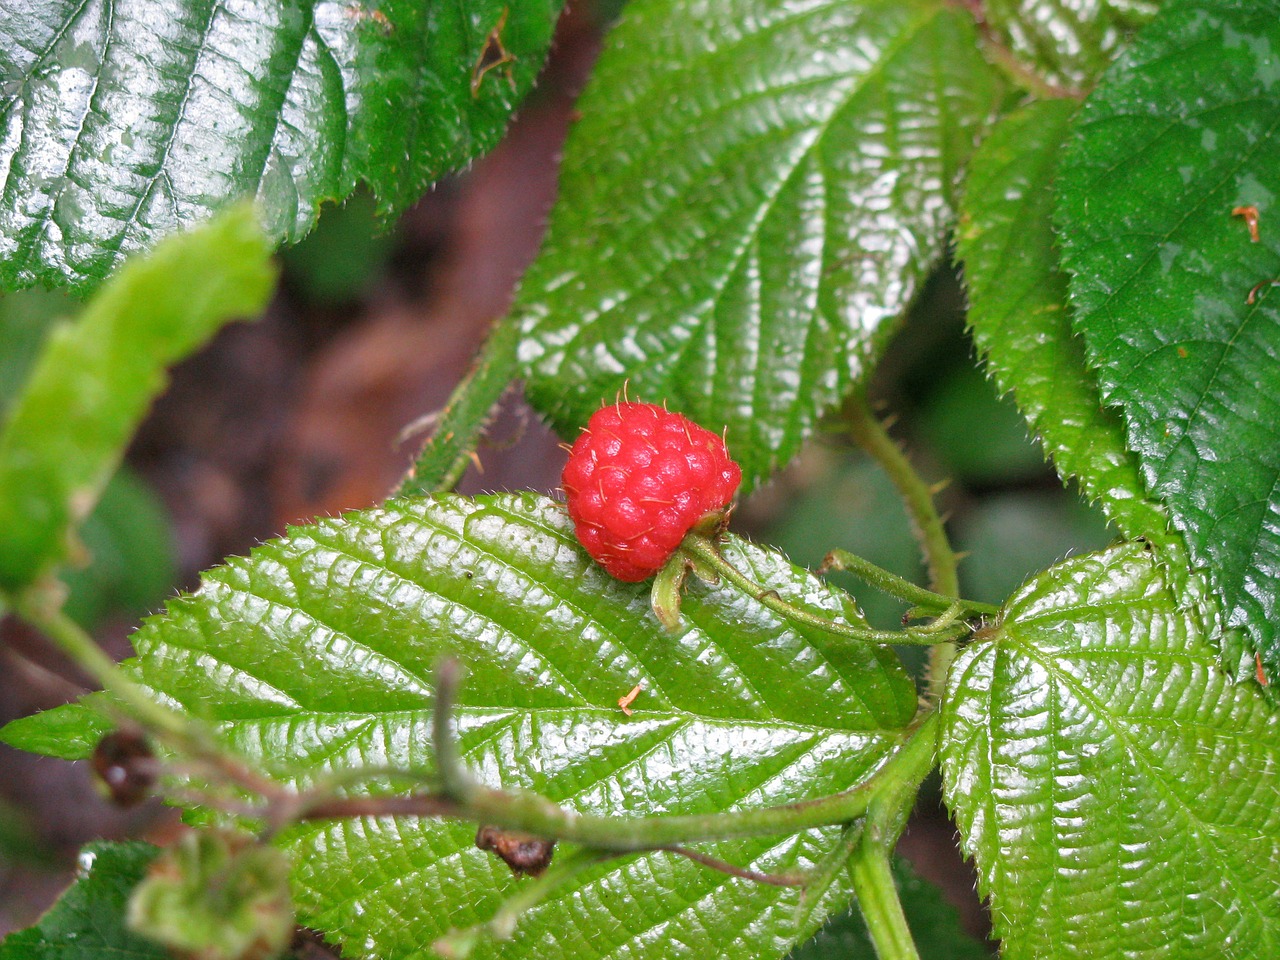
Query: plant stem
[[939, 558], [698, 548], [40, 607], [445, 456], [879, 903], [536, 815], [900, 587]]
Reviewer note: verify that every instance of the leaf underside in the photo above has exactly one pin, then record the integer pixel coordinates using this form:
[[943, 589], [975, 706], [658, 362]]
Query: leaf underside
[[1116, 789], [752, 197], [316, 655], [1182, 132], [121, 120]]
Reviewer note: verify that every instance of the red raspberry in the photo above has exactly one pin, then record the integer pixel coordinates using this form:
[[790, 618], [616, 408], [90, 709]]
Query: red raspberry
[[638, 479]]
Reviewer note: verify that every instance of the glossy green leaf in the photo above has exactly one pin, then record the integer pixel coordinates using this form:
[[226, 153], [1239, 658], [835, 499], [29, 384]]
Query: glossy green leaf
[[96, 377], [1185, 130], [1018, 313], [1066, 41], [935, 927], [753, 195], [1116, 789], [123, 120], [68, 732], [317, 654], [87, 923]]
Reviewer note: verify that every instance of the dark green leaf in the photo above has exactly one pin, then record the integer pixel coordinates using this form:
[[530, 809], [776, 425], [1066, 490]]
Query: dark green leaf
[[317, 654], [935, 927], [97, 376], [87, 923], [131, 564], [1117, 790], [1066, 41], [25, 319], [124, 120], [1018, 313], [1183, 131], [755, 192]]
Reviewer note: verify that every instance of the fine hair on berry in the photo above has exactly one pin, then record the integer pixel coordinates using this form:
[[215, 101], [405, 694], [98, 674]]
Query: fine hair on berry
[[638, 479]]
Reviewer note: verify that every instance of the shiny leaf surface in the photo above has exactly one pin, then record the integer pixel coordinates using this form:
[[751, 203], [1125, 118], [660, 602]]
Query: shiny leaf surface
[[1116, 789], [754, 193], [1018, 313], [1185, 130], [316, 655], [122, 120], [96, 377], [87, 922], [1067, 41]]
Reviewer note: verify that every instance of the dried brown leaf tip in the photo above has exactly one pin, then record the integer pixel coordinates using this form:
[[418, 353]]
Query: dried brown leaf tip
[[523, 853]]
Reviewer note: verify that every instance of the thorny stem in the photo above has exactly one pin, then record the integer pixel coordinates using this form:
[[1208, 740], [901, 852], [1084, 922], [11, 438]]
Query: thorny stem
[[901, 587], [698, 548], [930, 531]]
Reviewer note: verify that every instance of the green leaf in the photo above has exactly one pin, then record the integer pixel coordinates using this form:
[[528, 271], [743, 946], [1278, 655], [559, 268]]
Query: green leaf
[[935, 927], [97, 376], [69, 732], [1066, 41], [124, 120], [1117, 790], [754, 194], [87, 923], [131, 565], [1183, 131], [25, 320], [1018, 313], [316, 655]]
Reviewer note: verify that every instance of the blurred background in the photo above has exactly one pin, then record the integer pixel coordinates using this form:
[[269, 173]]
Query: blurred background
[[303, 413]]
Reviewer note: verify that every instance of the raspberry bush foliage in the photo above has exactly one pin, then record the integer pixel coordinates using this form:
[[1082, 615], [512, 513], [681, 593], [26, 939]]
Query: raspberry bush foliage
[[753, 198]]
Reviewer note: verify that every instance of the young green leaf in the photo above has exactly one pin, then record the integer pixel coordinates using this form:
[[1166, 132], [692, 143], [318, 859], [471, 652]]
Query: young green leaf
[[1066, 41], [127, 119], [752, 197], [96, 377], [87, 923], [316, 655], [1117, 790], [1173, 156], [1018, 313]]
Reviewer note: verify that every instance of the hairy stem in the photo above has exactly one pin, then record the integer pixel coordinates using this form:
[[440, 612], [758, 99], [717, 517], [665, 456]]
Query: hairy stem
[[536, 815], [701, 550], [939, 558], [40, 607], [445, 456], [879, 903]]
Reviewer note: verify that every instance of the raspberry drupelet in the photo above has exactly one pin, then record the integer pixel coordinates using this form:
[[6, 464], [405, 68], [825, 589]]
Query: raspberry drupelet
[[640, 478]]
